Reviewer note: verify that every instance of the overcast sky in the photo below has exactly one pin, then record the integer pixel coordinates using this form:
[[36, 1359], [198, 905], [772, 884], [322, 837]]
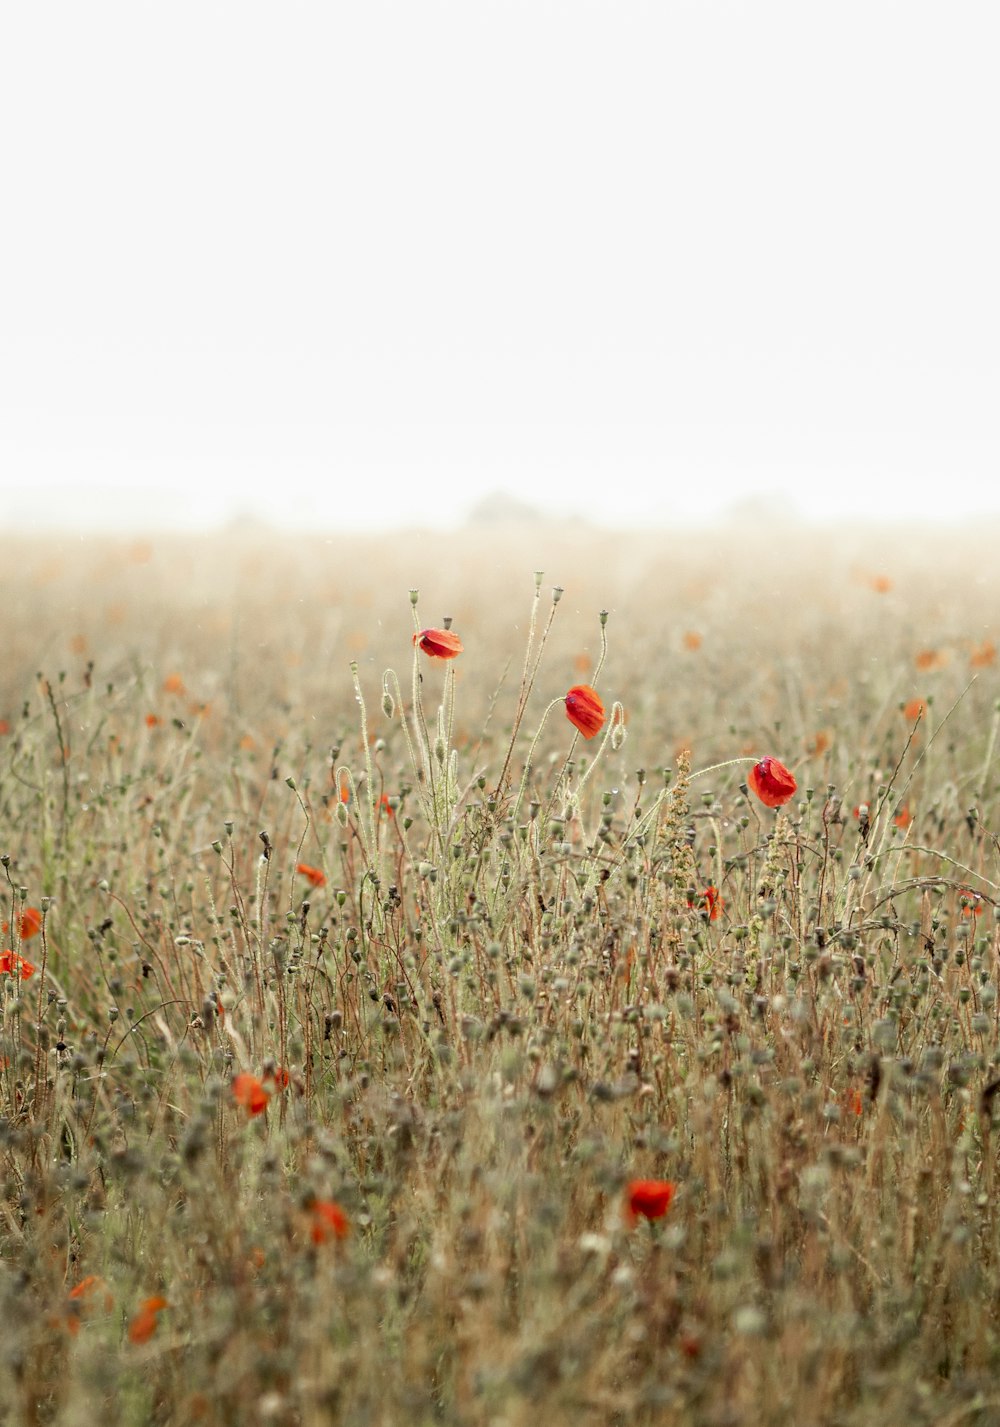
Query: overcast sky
[[364, 263]]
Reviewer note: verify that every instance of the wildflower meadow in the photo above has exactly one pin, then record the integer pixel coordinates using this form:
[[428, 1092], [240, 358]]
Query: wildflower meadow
[[500, 978]]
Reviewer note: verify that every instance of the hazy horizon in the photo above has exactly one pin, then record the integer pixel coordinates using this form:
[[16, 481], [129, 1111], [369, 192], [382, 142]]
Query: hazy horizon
[[363, 265]]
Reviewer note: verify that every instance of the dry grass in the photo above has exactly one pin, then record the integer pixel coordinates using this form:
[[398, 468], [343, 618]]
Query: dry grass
[[508, 998]]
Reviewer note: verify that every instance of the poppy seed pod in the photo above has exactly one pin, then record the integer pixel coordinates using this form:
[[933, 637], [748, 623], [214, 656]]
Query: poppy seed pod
[[772, 782]]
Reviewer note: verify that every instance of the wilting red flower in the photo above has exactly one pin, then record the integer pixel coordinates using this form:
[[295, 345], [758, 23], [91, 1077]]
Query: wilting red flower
[[585, 710], [772, 782], [328, 1221], [9, 963], [312, 874], [438, 643], [649, 1198], [249, 1092], [143, 1324]]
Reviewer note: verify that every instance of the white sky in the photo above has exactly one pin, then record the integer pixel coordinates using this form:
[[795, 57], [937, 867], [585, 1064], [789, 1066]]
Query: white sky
[[363, 263]]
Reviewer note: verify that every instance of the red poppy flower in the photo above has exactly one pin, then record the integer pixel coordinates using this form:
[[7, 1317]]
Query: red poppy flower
[[312, 874], [772, 782], [152, 720], [712, 901], [973, 904], [31, 923], [143, 1324], [86, 1286], [328, 1221], [81, 1298], [438, 643], [249, 1092], [913, 709], [9, 963], [649, 1198], [280, 1076], [585, 710]]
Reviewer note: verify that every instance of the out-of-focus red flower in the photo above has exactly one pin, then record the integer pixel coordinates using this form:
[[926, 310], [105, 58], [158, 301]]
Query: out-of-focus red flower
[[881, 584], [903, 817], [983, 655], [173, 684], [913, 709], [145, 1319], [153, 720], [86, 1286], [9, 964], [315, 875], [83, 1296], [713, 902], [973, 906], [772, 782], [649, 1198], [328, 1221], [249, 1092], [279, 1076], [30, 922], [438, 643], [585, 710]]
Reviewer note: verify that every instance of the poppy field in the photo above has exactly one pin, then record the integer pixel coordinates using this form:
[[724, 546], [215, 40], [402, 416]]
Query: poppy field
[[500, 978]]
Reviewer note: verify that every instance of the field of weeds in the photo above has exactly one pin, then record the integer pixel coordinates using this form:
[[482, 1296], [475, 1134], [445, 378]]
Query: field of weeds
[[377, 1049]]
